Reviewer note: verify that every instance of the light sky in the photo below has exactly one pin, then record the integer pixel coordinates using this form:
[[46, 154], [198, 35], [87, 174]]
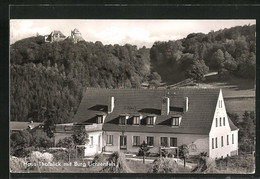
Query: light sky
[[135, 32]]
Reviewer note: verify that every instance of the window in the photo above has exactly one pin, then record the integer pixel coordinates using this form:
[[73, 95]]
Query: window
[[220, 103], [99, 119], [110, 139], [91, 141], [150, 120], [175, 121], [99, 140], [222, 142], [227, 140], [220, 122], [164, 141], [136, 120], [122, 120], [123, 142], [136, 140], [150, 141], [224, 121], [173, 142], [212, 143], [232, 138], [216, 140], [216, 122]]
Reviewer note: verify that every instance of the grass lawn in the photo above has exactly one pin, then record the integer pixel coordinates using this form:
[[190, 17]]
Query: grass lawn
[[138, 166]]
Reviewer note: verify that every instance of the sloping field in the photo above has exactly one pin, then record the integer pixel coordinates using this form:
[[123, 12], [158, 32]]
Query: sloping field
[[239, 105], [239, 94]]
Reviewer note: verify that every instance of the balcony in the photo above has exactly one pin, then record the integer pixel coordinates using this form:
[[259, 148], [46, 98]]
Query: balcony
[[93, 127]]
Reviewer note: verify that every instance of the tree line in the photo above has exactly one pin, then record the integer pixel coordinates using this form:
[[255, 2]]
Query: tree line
[[47, 80], [228, 51]]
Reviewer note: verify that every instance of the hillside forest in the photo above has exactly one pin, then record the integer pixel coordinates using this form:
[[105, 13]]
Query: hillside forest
[[47, 80]]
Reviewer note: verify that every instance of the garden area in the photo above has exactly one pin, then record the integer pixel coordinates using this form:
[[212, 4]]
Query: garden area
[[33, 152], [118, 163]]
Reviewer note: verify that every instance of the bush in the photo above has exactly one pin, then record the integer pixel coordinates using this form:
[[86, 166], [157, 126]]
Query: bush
[[120, 164], [164, 165], [99, 158], [19, 142], [66, 142], [17, 164], [40, 157], [36, 157], [205, 165], [63, 155], [41, 140]]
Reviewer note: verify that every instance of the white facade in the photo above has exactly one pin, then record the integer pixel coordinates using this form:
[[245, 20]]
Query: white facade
[[222, 141], [95, 143]]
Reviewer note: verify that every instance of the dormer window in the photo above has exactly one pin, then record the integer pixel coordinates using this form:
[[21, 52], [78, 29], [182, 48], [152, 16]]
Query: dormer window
[[122, 119], [100, 119], [136, 120], [175, 121], [150, 120]]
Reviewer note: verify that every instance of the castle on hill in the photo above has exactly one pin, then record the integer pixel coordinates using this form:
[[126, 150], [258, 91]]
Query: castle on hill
[[56, 36]]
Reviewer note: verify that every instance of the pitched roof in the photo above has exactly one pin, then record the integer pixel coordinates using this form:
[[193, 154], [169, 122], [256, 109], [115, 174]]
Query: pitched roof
[[232, 125], [15, 125], [198, 119]]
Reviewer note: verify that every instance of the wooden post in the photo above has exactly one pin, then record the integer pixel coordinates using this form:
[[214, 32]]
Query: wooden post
[[76, 152], [227, 161]]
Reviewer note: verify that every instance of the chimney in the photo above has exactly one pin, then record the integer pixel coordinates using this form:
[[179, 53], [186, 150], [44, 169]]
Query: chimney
[[111, 104], [165, 106], [186, 105]]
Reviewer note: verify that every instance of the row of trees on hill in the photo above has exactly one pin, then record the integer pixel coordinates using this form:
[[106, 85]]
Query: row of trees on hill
[[228, 51], [47, 79]]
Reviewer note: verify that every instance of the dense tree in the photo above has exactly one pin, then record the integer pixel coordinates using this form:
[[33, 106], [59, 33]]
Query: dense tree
[[19, 141], [80, 136], [246, 134], [40, 139], [184, 153], [196, 70], [24, 141], [228, 51], [52, 76], [143, 150], [218, 59], [67, 142], [49, 127], [155, 80]]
